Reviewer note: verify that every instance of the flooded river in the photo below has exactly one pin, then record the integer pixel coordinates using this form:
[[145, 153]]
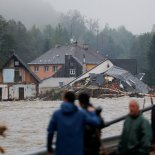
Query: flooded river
[[27, 121]]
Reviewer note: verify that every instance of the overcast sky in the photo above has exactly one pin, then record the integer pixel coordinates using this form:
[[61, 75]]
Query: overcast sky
[[137, 15]]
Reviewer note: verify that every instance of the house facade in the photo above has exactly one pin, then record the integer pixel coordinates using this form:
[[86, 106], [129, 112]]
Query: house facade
[[17, 81], [66, 61]]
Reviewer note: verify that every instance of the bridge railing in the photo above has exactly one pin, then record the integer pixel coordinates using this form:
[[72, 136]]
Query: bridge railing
[[109, 143]]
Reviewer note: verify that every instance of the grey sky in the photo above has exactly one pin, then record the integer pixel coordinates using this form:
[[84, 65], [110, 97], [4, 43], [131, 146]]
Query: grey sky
[[138, 16]]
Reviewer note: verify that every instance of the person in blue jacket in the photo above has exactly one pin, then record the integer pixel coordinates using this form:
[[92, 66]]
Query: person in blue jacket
[[69, 124]]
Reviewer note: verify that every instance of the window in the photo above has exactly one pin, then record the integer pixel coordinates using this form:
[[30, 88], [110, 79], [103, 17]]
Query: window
[[46, 68], [55, 68], [18, 77], [72, 71], [36, 68], [16, 63]]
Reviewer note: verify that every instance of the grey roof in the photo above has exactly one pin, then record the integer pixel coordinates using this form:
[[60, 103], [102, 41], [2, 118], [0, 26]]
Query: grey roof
[[57, 55], [127, 64], [128, 78]]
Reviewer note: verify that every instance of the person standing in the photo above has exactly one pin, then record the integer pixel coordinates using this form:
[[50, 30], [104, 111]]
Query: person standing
[[137, 135], [92, 134], [69, 122]]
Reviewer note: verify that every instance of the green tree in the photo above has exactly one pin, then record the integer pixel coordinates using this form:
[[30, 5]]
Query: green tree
[[61, 35], [140, 49], [7, 41], [150, 78], [37, 41], [48, 37]]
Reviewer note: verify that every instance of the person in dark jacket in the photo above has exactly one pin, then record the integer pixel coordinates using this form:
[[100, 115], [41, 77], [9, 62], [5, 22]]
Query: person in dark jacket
[[136, 136], [153, 124], [69, 123], [92, 134]]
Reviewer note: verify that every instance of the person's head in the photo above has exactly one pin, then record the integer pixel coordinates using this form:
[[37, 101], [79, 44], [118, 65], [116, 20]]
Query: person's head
[[69, 97], [84, 99], [134, 108]]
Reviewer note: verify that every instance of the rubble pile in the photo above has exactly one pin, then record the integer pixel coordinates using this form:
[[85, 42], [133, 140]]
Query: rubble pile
[[99, 90]]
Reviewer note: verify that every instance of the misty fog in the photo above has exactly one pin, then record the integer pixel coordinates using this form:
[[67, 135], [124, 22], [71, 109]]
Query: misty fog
[[30, 12]]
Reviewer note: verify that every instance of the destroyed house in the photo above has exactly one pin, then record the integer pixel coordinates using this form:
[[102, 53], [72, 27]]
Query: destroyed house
[[107, 75], [66, 61], [17, 81]]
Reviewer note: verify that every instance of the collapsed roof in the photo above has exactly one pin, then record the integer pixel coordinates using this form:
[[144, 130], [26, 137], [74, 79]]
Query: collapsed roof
[[129, 79], [107, 68]]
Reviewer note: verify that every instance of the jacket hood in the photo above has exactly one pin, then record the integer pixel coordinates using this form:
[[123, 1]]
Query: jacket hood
[[68, 108]]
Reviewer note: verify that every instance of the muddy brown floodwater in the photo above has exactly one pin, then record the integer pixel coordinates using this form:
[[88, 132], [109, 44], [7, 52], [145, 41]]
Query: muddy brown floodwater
[[27, 121]]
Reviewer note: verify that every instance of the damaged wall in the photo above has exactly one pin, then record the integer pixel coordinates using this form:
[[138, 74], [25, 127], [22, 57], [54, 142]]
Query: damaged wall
[[4, 92], [29, 91]]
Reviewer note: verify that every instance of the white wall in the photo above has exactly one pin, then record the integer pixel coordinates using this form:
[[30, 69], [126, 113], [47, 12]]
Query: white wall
[[4, 92], [53, 83], [29, 91]]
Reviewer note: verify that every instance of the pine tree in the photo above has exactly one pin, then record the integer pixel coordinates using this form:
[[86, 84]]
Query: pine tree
[[151, 63]]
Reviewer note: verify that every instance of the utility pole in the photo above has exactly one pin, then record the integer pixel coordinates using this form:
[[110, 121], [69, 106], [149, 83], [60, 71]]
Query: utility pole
[[97, 39]]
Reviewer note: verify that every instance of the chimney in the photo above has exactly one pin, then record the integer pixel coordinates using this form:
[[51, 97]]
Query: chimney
[[11, 52], [73, 42]]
